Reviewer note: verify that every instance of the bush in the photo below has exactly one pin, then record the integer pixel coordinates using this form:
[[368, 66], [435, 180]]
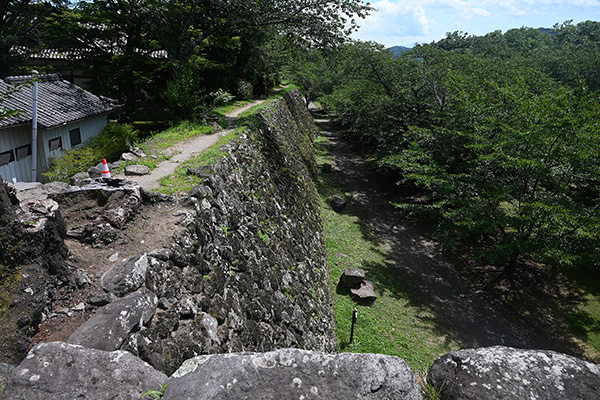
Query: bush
[[184, 96], [221, 98], [114, 140], [244, 90]]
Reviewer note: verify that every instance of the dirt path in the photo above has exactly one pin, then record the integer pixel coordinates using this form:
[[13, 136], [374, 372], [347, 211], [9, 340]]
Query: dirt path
[[473, 318], [187, 149]]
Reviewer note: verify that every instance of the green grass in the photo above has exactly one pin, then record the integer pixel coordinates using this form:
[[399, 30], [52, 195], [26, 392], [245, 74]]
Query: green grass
[[585, 319], [167, 138], [181, 181], [397, 323]]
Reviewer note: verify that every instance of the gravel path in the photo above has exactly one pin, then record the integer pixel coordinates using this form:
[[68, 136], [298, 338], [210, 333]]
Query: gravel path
[[472, 317], [185, 150]]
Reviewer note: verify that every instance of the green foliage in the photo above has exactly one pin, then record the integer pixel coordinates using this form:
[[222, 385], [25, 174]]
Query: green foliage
[[155, 394], [506, 157], [220, 98], [151, 51], [114, 140], [244, 90], [184, 96]]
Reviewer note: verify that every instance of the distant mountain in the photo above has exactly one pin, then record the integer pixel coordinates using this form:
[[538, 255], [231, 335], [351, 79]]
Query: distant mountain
[[397, 50]]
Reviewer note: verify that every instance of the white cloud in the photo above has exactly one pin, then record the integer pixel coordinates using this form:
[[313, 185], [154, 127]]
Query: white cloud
[[405, 22], [394, 20]]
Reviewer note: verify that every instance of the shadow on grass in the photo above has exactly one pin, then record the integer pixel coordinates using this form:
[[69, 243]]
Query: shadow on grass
[[521, 314]]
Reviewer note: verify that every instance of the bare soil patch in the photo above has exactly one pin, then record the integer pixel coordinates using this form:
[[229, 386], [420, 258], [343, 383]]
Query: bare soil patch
[[152, 229]]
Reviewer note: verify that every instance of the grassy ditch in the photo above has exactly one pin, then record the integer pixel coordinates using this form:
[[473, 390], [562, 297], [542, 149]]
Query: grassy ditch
[[397, 324]]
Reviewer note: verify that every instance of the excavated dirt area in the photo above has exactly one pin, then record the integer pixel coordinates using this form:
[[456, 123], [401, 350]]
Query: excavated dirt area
[[151, 230]]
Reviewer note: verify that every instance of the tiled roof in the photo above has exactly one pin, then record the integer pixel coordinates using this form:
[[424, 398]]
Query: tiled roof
[[76, 53], [59, 102]]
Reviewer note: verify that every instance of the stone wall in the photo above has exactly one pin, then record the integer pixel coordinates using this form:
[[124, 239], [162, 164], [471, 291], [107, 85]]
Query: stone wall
[[32, 267], [249, 272]]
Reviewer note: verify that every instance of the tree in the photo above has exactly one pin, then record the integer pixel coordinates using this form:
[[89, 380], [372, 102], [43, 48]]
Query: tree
[[117, 42], [512, 165], [225, 45], [20, 25]]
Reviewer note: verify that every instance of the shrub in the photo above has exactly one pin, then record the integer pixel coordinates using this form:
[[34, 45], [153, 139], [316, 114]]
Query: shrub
[[114, 140], [244, 90], [221, 97]]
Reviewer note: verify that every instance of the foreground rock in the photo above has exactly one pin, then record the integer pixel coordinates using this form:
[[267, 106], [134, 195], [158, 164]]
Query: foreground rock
[[108, 328], [507, 373], [62, 371], [126, 277], [33, 260], [293, 374]]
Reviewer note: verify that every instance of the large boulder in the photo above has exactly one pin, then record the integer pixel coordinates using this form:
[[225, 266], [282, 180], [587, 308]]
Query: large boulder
[[507, 373], [108, 328], [127, 276], [293, 374], [59, 370]]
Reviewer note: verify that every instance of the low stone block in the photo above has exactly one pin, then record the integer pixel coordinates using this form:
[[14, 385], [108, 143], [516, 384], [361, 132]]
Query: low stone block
[[365, 294], [352, 277], [136, 170], [293, 374], [128, 157], [337, 203], [506, 373], [59, 370]]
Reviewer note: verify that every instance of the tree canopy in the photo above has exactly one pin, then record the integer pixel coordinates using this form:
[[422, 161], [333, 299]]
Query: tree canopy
[[178, 51], [499, 133]]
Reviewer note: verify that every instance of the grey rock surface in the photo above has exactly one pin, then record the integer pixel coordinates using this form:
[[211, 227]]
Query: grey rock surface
[[79, 178], [128, 157], [5, 372], [136, 170], [61, 371], [365, 294], [126, 277], [108, 328], [337, 203], [352, 277], [507, 373], [293, 374]]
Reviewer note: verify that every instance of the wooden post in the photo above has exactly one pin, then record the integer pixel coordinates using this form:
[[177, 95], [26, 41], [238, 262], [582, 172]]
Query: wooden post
[[354, 316]]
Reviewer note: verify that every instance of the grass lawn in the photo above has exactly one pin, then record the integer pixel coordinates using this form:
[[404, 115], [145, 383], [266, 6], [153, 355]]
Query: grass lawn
[[397, 324]]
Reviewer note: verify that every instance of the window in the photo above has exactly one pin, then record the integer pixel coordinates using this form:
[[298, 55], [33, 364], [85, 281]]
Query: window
[[6, 157], [55, 143], [23, 151], [75, 136]]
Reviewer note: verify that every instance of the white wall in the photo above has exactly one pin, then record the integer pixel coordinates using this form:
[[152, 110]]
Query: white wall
[[11, 138]]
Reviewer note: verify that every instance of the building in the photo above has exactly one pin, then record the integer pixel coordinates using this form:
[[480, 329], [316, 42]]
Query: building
[[67, 116]]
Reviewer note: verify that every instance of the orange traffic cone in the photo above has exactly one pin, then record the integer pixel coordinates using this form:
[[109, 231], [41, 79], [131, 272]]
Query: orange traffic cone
[[105, 171]]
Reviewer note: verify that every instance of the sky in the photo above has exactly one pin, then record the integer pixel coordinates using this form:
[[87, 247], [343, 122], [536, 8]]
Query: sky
[[406, 22]]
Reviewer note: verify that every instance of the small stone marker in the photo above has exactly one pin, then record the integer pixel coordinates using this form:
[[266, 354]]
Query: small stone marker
[[352, 277], [337, 203], [136, 169], [327, 168], [365, 295]]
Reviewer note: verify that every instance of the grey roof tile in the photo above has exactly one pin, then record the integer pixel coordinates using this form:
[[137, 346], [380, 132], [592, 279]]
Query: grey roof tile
[[59, 102]]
